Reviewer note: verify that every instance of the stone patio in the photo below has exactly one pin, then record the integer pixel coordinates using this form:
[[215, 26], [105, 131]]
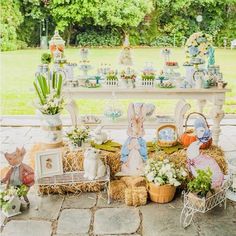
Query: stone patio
[[89, 213]]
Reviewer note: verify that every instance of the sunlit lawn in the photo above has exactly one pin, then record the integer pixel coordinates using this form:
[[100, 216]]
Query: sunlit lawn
[[18, 68]]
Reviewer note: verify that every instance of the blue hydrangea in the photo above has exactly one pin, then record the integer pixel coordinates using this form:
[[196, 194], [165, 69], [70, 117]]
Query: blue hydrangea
[[193, 51]]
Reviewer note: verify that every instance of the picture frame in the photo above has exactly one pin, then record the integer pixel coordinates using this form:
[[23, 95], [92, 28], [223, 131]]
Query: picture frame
[[48, 163]]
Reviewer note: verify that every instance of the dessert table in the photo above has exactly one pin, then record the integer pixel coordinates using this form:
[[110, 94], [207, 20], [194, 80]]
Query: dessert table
[[213, 95]]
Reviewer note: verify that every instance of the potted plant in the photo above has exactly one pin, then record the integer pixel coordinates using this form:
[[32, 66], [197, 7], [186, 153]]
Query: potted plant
[[77, 137], [112, 75], [50, 103], [111, 78], [200, 188], [163, 177], [148, 75], [10, 202], [46, 58], [128, 77]]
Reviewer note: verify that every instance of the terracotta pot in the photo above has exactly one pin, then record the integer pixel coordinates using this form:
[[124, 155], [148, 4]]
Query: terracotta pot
[[161, 194]]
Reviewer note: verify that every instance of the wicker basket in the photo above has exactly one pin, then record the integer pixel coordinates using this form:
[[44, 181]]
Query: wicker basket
[[166, 143], [188, 136], [161, 194]]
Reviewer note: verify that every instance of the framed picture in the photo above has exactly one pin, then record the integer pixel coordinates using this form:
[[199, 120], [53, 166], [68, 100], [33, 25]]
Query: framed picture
[[48, 163]]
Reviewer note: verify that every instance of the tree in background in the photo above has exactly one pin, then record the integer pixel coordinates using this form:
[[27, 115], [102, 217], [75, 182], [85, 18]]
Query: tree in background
[[122, 15], [34, 11], [10, 20], [103, 22]]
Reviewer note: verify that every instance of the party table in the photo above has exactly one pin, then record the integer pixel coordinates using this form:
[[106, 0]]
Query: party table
[[213, 95]]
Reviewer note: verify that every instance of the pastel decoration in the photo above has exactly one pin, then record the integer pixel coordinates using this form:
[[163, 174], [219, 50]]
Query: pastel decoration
[[134, 150], [196, 160]]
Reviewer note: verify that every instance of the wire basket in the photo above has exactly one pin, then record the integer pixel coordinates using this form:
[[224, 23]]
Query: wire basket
[[188, 136], [193, 204], [164, 142]]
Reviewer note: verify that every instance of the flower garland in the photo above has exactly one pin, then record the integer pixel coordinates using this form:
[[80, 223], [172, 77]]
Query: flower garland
[[198, 45]]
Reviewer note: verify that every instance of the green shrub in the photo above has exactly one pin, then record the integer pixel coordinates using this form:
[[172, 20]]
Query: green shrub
[[162, 41], [99, 37]]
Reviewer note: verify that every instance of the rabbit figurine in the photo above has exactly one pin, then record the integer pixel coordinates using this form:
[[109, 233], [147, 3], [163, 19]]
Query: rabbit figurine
[[94, 168], [134, 150], [196, 160], [99, 136], [19, 172]]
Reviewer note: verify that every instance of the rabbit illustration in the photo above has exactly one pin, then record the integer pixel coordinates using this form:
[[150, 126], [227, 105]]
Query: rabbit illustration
[[134, 150], [94, 168], [196, 160], [99, 136], [19, 172]]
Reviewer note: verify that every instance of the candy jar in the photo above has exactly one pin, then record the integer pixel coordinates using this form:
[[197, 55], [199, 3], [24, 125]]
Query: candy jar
[[56, 43], [113, 109]]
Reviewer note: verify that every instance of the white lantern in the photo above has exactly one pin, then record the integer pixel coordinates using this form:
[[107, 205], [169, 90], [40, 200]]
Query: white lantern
[[231, 193], [199, 18]]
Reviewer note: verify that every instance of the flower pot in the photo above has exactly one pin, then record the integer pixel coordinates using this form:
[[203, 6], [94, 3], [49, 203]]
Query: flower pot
[[128, 83], [76, 146], [196, 201], [161, 194], [13, 207], [51, 126]]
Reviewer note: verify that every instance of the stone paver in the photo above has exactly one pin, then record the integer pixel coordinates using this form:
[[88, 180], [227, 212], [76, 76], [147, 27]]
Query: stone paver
[[84, 200], [102, 202], [74, 221], [163, 220], [116, 221], [46, 207], [230, 154], [220, 221], [71, 235], [29, 227], [120, 235]]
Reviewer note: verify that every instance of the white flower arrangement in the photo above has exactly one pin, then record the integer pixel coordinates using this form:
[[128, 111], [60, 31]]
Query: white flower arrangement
[[161, 172], [78, 135], [198, 45], [6, 195], [53, 104]]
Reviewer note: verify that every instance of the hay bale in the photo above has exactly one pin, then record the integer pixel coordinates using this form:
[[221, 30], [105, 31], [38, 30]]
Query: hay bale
[[136, 196], [180, 157], [132, 181], [73, 161], [117, 190], [71, 188]]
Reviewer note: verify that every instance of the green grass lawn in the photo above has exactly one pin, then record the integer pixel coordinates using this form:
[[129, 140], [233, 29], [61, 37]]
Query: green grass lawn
[[18, 68]]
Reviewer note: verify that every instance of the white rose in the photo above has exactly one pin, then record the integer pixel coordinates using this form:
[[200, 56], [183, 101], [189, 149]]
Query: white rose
[[150, 176], [6, 198]]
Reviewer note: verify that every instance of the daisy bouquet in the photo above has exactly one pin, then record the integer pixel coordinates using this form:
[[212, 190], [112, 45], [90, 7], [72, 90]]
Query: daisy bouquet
[[161, 172], [78, 135]]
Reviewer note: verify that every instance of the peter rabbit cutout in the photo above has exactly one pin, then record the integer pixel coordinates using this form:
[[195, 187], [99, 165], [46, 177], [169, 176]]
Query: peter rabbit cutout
[[134, 150]]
